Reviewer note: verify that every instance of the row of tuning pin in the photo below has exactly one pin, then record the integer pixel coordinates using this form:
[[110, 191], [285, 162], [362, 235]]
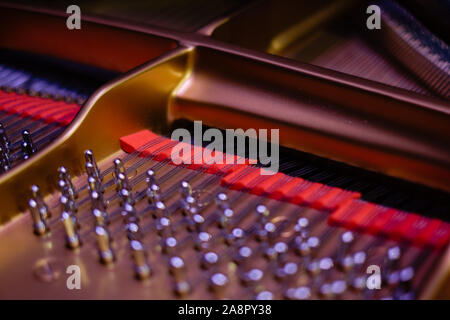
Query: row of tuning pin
[[27, 148], [40, 212], [43, 94], [304, 244]]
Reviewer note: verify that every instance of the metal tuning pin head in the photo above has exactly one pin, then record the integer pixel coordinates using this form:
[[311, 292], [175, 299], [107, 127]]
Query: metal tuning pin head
[[95, 185], [66, 190], [169, 244], [346, 240], [187, 204], [100, 216], [5, 162], [39, 222], [209, 259], [218, 282], [70, 229], [133, 231], [164, 227], [222, 201], [28, 147], [37, 196], [195, 221], [64, 175], [67, 204], [263, 216], [159, 210], [391, 260], [122, 182], [5, 143], [203, 240], [252, 276], [92, 173], [263, 213], [266, 232], [129, 213], [176, 267], [182, 288], [97, 201], [185, 189], [139, 255], [104, 245], [150, 178], [153, 193], [313, 244], [301, 228], [235, 237], [89, 157], [126, 196], [118, 167], [225, 216]]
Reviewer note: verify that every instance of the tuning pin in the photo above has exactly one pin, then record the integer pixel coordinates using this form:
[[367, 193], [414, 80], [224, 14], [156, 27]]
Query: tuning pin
[[185, 189], [406, 276], [104, 245], [129, 213], [159, 210], [182, 288], [95, 185], [97, 201], [66, 190], [176, 267], [266, 232], [133, 231], [163, 227], [122, 182], [222, 201], [235, 236], [202, 240], [101, 218], [92, 173], [28, 147], [186, 204], [67, 204], [289, 269], [391, 260], [126, 196], [5, 143], [301, 229], [242, 255], [150, 178], [196, 221], [300, 293], [346, 241], [313, 244], [209, 259], [37, 196], [119, 167], [39, 222], [218, 282], [263, 213], [5, 161], [89, 157], [64, 175], [70, 228], [264, 295], [153, 194], [141, 266], [169, 244], [225, 216], [252, 276]]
